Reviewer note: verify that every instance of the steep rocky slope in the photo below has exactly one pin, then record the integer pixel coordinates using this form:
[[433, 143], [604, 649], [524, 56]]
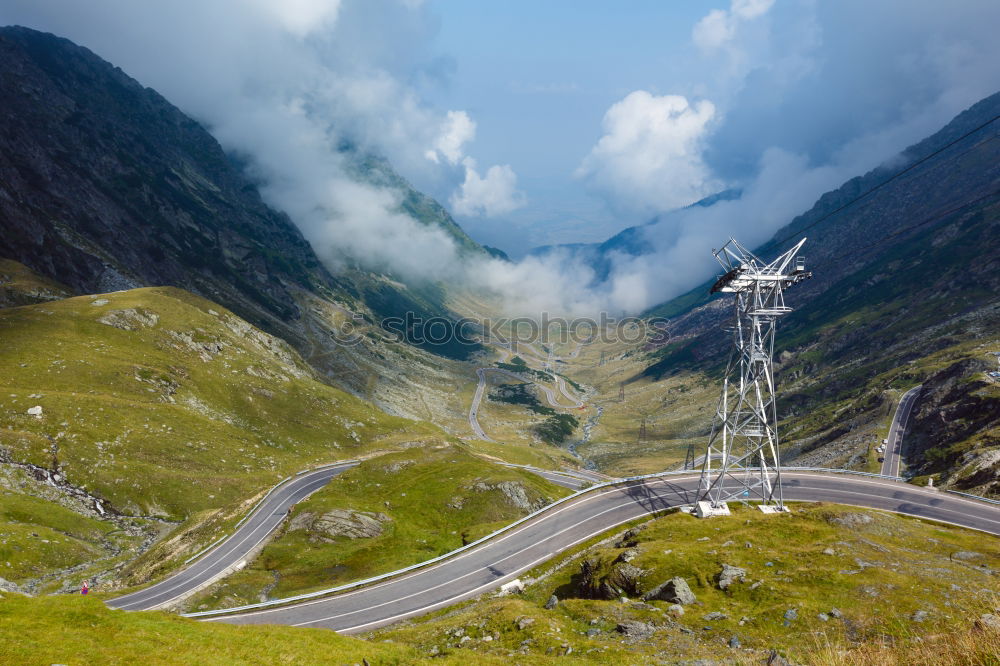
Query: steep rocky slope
[[955, 432]]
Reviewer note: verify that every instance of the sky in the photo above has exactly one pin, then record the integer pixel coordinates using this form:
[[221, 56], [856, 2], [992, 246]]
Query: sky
[[550, 122]]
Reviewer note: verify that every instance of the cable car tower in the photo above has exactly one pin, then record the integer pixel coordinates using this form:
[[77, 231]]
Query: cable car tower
[[742, 461]]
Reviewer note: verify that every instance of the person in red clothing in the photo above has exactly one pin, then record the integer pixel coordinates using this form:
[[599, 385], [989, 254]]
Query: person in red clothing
[[85, 588]]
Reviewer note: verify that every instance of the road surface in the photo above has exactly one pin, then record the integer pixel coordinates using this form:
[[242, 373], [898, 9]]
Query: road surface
[[228, 556], [894, 449], [474, 409], [499, 560], [574, 479]]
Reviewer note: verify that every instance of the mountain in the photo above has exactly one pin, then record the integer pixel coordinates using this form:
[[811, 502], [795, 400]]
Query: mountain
[[906, 283], [105, 185], [631, 241]]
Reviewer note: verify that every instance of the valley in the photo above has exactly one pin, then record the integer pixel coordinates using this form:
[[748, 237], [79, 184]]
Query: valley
[[246, 438]]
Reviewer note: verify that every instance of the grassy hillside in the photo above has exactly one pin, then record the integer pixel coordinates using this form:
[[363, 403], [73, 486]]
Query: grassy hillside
[[824, 584], [413, 505], [163, 403], [81, 630]]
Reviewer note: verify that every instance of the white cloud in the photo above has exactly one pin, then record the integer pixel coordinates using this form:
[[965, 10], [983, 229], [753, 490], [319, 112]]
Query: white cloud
[[650, 157], [719, 27], [301, 17], [456, 130], [750, 9], [490, 195], [716, 29]]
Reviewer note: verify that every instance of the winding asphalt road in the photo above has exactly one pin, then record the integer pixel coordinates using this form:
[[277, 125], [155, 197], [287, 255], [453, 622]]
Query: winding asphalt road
[[503, 558], [550, 396], [232, 554], [894, 449]]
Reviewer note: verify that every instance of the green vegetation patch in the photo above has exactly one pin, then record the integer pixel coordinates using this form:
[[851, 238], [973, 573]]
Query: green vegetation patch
[[21, 286], [520, 394], [522, 369], [38, 536], [557, 428]]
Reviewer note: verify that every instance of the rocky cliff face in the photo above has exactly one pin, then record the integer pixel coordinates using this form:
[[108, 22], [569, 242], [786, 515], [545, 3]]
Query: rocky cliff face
[[105, 185], [955, 431]]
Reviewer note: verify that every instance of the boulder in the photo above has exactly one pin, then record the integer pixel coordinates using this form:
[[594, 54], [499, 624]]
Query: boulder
[[628, 539], [35, 411], [622, 579], [635, 629], [775, 659], [513, 493], [552, 602], [524, 622], [130, 319], [730, 575], [675, 590], [988, 621]]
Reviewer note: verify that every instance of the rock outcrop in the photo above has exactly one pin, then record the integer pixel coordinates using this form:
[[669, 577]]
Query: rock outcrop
[[340, 523]]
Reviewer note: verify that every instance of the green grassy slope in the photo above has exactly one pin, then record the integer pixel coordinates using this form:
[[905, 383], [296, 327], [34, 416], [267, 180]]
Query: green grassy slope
[[81, 630], [428, 502], [189, 408], [38, 536], [20, 286]]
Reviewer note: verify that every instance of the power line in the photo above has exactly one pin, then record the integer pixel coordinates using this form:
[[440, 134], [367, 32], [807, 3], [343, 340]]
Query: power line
[[911, 167]]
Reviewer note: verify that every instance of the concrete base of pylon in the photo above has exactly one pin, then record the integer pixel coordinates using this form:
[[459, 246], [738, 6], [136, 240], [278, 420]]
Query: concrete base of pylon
[[706, 510], [771, 508]]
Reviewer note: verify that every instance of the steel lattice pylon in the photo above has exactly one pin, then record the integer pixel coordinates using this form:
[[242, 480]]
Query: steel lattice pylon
[[742, 461]]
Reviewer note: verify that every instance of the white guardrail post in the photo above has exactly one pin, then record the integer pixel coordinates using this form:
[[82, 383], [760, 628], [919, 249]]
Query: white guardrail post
[[492, 535]]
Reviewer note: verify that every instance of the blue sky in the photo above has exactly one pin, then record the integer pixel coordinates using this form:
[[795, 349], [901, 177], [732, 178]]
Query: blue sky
[[806, 77], [550, 121], [538, 78]]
